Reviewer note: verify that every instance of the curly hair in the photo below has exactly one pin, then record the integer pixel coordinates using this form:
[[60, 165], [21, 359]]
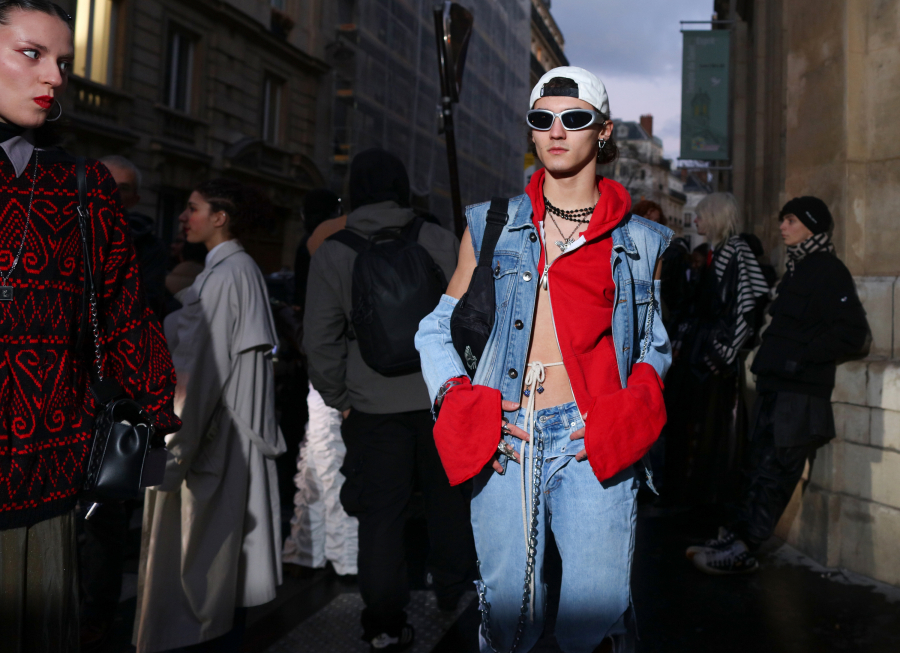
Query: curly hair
[[247, 208], [43, 6], [610, 151]]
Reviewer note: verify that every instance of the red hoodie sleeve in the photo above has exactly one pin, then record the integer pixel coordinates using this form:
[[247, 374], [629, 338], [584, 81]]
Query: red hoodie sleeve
[[467, 431], [622, 426]]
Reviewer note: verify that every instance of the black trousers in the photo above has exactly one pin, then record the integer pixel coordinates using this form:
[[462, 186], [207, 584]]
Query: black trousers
[[102, 557], [386, 454], [772, 475]]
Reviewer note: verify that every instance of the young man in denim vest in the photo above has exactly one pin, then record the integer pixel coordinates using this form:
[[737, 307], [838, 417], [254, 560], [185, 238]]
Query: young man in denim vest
[[567, 396]]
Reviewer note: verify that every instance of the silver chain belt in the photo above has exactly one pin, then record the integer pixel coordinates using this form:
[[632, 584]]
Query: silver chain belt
[[529, 565]]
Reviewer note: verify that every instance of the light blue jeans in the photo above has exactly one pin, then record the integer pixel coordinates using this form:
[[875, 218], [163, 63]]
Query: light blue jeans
[[593, 525]]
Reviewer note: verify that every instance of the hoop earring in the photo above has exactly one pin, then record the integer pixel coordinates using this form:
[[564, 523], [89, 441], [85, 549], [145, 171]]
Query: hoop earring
[[60, 113]]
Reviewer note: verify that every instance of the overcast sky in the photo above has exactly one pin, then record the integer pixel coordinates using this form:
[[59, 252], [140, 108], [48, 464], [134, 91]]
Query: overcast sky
[[635, 48]]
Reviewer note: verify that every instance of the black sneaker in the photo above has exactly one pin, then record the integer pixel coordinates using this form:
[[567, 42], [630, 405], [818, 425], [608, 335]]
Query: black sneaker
[[384, 643], [725, 539], [735, 559]]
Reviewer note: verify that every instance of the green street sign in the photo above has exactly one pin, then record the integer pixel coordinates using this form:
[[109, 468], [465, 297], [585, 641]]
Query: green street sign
[[704, 96]]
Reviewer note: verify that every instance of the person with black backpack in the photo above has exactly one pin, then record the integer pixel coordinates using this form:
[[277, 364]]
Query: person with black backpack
[[369, 286]]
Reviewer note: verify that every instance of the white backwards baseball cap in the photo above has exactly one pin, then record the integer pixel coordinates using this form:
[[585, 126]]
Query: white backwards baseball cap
[[590, 88]]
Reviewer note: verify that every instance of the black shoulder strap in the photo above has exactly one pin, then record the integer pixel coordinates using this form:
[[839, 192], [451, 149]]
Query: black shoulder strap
[[80, 175], [81, 210], [497, 217], [412, 229], [351, 239]]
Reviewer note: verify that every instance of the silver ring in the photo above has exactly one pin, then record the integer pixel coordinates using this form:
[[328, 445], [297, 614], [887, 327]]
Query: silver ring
[[506, 450]]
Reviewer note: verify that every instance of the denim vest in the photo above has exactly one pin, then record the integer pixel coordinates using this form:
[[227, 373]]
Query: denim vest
[[637, 328]]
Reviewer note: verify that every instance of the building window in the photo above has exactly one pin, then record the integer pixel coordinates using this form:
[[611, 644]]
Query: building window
[[95, 34], [272, 104], [179, 70]]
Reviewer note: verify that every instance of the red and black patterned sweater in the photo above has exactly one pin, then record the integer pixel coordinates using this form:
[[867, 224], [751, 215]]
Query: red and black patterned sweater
[[45, 408]]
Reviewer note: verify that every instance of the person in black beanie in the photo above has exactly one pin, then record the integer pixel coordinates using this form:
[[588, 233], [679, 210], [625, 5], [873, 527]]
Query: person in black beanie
[[817, 320]]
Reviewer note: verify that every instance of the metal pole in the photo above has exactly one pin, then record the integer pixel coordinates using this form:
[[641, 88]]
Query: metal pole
[[447, 117], [450, 137]]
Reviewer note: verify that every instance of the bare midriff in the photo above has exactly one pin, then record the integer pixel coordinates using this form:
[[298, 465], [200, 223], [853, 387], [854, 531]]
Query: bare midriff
[[544, 348]]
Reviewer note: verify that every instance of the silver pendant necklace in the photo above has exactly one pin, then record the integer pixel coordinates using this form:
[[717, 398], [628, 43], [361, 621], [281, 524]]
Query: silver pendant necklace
[[6, 291], [563, 244]]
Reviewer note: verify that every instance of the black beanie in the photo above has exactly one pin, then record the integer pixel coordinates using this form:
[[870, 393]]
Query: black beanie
[[377, 176], [811, 211]]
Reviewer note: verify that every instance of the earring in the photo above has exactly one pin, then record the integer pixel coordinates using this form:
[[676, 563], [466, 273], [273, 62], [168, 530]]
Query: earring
[[60, 112], [602, 144]]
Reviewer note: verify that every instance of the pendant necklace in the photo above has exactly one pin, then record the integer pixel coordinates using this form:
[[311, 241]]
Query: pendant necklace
[[6, 291], [563, 244], [579, 216]]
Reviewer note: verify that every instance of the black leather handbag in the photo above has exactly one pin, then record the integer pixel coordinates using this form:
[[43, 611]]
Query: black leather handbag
[[126, 456], [472, 320]]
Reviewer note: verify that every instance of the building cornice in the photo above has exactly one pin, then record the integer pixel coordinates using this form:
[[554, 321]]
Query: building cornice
[[248, 25], [544, 12], [544, 30]]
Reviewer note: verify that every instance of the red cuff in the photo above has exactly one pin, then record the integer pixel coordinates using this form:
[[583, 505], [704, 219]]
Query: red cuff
[[468, 429], [622, 426]]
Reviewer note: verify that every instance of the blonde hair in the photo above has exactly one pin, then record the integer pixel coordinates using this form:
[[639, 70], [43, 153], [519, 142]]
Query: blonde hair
[[720, 214]]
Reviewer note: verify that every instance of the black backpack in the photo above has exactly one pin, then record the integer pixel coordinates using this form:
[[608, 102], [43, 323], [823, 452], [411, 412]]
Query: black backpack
[[396, 283]]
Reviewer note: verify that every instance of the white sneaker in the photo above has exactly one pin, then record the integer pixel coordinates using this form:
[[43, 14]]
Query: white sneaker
[[733, 559], [387, 644], [726, 538]]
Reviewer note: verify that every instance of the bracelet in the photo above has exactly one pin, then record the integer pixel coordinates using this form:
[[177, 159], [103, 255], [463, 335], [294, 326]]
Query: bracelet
[[444, 389]]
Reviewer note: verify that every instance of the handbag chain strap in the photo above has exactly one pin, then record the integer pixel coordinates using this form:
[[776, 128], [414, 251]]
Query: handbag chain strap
[[83, 216]]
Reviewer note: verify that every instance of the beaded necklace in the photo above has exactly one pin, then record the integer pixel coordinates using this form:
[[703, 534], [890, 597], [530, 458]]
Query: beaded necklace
[[575, 215]]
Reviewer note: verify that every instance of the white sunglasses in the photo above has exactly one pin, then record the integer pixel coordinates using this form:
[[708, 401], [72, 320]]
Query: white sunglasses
[[570, 119]]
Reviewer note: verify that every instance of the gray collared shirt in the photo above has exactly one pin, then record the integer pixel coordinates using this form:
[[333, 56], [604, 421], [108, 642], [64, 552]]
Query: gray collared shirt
[[18, 150]]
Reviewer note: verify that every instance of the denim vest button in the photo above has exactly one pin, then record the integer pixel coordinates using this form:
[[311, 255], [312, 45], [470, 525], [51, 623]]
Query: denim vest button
[[527, 276], [520, 325], [533, 238], [513, 374]]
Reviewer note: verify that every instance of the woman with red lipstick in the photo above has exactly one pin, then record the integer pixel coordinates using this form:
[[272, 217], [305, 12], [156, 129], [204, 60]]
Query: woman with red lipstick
[[46, 413]]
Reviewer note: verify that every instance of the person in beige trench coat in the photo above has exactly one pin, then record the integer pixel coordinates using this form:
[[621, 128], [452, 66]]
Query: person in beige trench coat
[[211, 532]]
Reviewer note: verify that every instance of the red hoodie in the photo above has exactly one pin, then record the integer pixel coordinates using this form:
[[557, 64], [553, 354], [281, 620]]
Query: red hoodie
[[622, 423]]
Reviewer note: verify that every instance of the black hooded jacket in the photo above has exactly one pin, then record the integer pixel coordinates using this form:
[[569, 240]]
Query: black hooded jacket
[[817, 320]]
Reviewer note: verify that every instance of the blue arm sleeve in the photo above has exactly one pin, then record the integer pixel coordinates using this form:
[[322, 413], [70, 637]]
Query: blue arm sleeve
[[440, 361]]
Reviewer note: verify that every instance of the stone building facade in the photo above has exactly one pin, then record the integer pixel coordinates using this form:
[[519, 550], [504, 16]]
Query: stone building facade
[[643, 170], [547, 42], [816, 100], [195, 89], [385, 92]]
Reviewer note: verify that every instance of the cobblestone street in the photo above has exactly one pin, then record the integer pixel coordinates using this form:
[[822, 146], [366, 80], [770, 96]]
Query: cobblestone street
[[792, 605]]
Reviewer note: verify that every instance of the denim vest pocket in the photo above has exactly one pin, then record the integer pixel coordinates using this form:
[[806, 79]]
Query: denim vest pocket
[[505, 267]]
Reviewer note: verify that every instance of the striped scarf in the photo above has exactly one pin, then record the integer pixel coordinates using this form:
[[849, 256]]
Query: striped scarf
[[751, 284], [817, 243]]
